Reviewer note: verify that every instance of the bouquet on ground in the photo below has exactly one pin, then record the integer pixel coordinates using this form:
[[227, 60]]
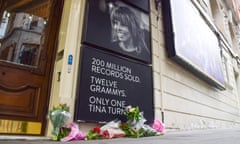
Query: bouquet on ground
[[135, 125], [94, 133], [63, 128], [110, 130], [158, 126], [113, 129]]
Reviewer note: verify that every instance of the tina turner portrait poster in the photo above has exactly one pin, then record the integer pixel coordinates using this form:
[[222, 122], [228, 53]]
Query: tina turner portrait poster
[[119, 27]]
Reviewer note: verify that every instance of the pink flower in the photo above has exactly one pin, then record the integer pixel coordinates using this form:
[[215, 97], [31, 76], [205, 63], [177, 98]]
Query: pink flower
[[158, 126], [74, 135], [106, 134]]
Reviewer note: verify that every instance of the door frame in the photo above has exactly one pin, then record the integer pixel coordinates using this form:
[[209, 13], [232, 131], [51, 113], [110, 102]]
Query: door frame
[[52, 44], [46, 67]]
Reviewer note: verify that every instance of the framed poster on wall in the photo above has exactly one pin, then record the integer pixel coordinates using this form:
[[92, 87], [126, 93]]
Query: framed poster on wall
[[108, 84], [118, 26], [191, 42]]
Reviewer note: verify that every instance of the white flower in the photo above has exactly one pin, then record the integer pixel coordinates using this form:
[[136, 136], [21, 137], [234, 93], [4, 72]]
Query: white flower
[[131, 109], [128, 108]]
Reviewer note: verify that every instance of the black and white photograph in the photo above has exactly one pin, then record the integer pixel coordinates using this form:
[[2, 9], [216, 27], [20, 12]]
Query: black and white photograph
[[118, 27]]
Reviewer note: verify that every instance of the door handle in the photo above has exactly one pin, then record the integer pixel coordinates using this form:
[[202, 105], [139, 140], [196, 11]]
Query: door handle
[[59, 76]]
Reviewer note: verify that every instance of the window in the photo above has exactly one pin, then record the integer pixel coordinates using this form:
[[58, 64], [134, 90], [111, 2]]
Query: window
[[28, 54], [22, 32]]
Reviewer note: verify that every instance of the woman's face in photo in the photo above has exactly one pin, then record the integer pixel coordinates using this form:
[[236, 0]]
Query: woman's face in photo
[[122, 31]]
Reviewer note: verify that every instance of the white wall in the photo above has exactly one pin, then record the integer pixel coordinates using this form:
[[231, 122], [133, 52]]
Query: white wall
[[64, 91], [187, 101]]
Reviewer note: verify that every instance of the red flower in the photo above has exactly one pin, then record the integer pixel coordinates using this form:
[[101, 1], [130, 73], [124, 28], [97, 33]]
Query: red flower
[[97, 129]]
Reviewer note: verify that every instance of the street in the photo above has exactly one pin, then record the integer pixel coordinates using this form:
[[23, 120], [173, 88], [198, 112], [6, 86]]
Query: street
[[214, 136]]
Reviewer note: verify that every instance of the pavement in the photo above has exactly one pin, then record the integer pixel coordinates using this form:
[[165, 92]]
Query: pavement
[[213, 136]]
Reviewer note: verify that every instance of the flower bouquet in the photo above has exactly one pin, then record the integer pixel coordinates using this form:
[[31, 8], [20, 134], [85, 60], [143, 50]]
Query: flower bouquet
[[63, 128], [158, 126], [113, 129], [94, 133], [135, 126], [58, 116], [110, 130]]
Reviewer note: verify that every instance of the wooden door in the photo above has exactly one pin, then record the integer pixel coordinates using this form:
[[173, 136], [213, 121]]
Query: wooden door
[[28, 38]]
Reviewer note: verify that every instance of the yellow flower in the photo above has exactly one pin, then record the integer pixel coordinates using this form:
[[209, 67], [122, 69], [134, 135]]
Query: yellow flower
[[128, 108], [131, 109]]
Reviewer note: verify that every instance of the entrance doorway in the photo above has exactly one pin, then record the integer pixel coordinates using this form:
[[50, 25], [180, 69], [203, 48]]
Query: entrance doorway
[[28, 37]]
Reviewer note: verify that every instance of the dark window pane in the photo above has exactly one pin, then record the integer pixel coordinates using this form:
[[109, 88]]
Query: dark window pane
[[22, 29]]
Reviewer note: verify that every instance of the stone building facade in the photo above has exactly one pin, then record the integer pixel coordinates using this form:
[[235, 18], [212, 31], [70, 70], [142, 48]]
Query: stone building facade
[[182, 100]]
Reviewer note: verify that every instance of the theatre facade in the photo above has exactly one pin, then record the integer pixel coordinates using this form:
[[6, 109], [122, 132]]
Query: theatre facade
[[178, 61]]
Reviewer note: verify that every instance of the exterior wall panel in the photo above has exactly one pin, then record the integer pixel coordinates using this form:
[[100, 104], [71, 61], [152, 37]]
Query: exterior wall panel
[[187, 101]]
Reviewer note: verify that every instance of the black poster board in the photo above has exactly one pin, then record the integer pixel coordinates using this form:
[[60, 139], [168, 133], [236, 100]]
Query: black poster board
[[108, 84], [142, 4], [122, 27], [191, 42]]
